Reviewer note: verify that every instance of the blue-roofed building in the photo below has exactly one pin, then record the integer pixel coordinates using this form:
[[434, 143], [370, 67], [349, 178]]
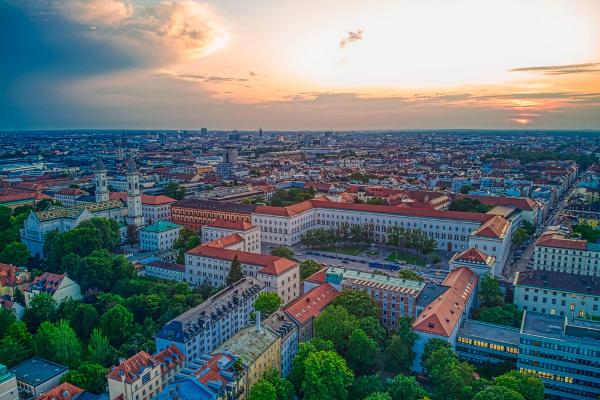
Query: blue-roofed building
[[37, 376], [186, 388]]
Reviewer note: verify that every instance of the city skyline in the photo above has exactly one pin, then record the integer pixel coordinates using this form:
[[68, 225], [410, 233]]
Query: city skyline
[[280, 65]]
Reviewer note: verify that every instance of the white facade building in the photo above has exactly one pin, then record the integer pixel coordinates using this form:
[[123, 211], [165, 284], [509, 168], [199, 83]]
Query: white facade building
[[220, 228], [159, 236], [554, 252]]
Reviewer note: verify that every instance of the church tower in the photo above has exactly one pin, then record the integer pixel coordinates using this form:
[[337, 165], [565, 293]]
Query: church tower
[[100, 181], [134, 195]]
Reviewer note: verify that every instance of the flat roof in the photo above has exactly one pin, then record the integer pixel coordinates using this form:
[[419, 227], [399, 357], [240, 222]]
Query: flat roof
[[385, 281], [37, 370], [161, 226], [559, 328], [484, 330], [249, 343]]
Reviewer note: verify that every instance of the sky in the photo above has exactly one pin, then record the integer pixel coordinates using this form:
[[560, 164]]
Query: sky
[[300, 65]]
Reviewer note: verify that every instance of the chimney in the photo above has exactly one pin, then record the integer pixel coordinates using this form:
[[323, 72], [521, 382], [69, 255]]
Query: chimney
[[258, 326]]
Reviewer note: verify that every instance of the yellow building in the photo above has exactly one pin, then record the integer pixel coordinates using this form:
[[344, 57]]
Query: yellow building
[[258, 347]]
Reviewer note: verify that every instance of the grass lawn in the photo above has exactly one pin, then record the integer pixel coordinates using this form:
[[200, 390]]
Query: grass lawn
[[407, 258], [348, 250]]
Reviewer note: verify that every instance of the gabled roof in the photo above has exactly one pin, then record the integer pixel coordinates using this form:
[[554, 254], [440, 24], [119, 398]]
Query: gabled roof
[[473, 256], [231, 225], [47, 282], [559, 241], [133, 368], [311, 303], [442, 315], [147, 199], [271, 265], [169, 358], [64, 391], [495, 228], [225, 242]]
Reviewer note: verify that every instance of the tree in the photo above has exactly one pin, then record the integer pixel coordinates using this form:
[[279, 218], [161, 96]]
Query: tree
[[373, 329], [405, 387], [99, 350], [15, 253], [283, 251], [267, 302], [41, 308], [309, 267], [101, 269], [364, 386], [187, 240], [358, 303], [89, 376], [17, 344], [378, 396], [431, 346], [398, 355], [506, 314], [530, 387], [362, 352], [117, 324], [235, 272], [451, 379], [410, 275], [489, 291], [498, 393], [283, 388], [175, 191], [7, 317], [82, 317], [296, 376], [107, 231], [326, 376], [336, 324], [58, 342], [262, 390]]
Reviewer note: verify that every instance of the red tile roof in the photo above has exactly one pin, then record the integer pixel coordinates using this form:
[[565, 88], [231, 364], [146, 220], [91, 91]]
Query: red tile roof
[[288, 211], [132, 368], [559, 241], [71, 192], [146, 198], [270, 264], [441, 316], [225, 241], [47, 282], [64, 391], [522, 203], [311, 303], [170, 358], [210, 371], [495, 227], [7, 274], [28, 196], [228, 224], [318, 277], [473, 255]]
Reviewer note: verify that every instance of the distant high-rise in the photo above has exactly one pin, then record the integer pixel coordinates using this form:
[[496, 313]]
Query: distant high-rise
[[204, 131], [162, 139], [234, 136], [230, 155]]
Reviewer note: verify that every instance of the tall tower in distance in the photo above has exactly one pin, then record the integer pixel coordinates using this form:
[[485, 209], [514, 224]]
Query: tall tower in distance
[[134, 195], [230, 155], [100, 181]]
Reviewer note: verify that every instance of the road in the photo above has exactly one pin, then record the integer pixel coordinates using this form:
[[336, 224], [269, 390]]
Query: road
[[522, 263]]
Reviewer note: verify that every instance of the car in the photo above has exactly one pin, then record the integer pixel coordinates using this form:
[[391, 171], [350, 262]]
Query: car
[[344, 262]]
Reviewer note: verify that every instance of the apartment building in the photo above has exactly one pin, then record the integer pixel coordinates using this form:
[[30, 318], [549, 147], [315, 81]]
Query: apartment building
[[555, 252], [59, 286], [557, 293], [165, 270], [203, 328], [563, 352], [194, 213], [143, 376], [210, 264], [258, 347], [159, 236], [283, 325], [8, 384], [219, 228]]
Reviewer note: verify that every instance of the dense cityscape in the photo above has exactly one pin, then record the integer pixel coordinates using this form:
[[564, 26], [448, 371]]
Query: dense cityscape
[[203, 264]]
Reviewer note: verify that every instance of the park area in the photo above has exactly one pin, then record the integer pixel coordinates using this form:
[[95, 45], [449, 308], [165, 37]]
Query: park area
[[401, 257]]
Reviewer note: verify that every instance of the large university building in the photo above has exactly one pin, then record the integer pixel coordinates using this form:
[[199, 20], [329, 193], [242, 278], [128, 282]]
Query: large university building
[[555, 252]]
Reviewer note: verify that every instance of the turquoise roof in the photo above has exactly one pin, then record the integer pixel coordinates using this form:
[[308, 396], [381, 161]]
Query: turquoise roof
[[160, 226]]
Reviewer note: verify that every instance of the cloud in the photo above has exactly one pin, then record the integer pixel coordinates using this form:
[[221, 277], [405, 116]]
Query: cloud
[[351, 37], [561, 69], [199, 77], [97, 12]]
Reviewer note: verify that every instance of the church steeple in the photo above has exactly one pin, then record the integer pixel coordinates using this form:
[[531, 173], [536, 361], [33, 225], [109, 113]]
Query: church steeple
[[100, 181], [134, 195]]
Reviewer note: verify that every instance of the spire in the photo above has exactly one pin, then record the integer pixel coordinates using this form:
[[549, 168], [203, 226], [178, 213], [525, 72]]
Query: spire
[[99, 164], [131, 166]]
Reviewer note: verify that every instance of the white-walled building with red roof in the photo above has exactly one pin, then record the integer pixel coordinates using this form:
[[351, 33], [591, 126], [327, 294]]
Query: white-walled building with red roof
[[221, 227], [555, 252]]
